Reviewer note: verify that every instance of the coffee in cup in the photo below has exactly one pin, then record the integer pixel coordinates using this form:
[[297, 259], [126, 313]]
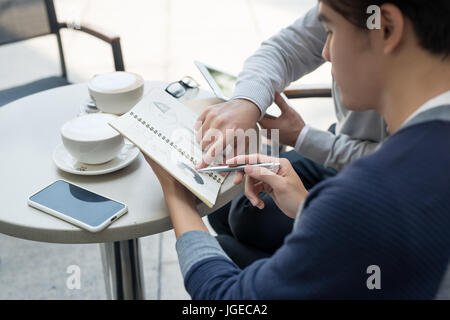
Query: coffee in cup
[[89, 138], [116, 92]]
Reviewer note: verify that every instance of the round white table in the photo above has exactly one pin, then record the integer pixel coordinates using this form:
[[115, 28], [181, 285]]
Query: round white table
[[29, 133]]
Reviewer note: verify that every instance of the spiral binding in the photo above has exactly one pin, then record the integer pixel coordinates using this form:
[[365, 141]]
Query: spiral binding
[[173, 145]]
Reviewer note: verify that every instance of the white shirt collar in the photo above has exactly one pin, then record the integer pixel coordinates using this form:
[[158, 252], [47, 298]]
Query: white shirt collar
[[440, 100]]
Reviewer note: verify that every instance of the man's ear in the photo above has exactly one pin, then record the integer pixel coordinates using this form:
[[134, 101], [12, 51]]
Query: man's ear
[[393, 27]]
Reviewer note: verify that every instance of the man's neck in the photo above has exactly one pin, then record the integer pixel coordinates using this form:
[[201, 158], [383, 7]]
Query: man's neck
[[409, 89]]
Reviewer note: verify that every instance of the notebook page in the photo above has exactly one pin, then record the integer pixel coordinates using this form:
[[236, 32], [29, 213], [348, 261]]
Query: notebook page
[[162, 128]]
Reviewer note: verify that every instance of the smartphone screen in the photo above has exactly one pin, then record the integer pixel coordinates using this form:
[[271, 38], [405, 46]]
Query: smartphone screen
[[77, 203]]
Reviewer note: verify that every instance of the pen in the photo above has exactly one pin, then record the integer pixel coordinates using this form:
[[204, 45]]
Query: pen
[[237, 168]]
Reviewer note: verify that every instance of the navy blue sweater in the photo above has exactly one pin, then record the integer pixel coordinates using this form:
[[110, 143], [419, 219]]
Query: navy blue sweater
[[390, 209]]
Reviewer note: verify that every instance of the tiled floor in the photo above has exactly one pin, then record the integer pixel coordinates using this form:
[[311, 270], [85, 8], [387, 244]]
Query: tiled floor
[[160, 40]]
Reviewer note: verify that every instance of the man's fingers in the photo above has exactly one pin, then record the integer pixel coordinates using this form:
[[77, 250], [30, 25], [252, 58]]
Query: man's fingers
[[269, 122], [208, 138], [204, 129], [264, 175], [201, 119], [281, 103], [215, 150], [269, 117], [198, 134], [252, 190], [198, 124], [251, 159], [238, 177], [218, 149]]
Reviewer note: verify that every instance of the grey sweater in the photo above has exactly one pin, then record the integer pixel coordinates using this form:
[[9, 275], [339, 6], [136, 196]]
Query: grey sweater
[[292, 53]]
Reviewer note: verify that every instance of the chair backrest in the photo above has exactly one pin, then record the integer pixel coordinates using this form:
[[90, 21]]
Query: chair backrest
[[25, 19]]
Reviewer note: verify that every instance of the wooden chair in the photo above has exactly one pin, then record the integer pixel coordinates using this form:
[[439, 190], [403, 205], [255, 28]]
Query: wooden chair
[[25, 19], [308, 91]]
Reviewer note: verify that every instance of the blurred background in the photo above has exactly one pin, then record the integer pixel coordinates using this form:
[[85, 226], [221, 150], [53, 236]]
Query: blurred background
[[160, 40]]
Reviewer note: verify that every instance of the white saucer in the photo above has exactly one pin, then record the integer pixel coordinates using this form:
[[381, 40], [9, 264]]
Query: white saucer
[[66, 162]]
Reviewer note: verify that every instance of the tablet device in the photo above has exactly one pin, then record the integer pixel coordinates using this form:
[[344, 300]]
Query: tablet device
[[223, 84]]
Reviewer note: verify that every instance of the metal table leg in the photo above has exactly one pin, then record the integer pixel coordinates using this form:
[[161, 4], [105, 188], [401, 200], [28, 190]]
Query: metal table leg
[[122, 266]]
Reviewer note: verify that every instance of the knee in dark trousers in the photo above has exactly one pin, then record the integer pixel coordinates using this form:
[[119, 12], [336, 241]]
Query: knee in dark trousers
[[219, 220], [263, 229]]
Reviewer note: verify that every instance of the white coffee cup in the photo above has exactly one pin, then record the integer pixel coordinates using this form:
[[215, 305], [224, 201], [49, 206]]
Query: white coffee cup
[[116, 92], [89, 138]]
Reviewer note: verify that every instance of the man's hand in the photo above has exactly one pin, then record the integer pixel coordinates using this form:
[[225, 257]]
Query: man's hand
[[181, 203], [174, 191], [284, 186], [290, 123], [224, 118]]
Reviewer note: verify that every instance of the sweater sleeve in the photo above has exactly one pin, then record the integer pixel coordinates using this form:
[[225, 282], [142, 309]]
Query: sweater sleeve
[[333, 151], [283, 58], [326, 256], [197, 245], [338, 150]]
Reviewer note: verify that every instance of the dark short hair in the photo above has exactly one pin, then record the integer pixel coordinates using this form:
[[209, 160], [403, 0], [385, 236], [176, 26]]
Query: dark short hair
[[430, 18]]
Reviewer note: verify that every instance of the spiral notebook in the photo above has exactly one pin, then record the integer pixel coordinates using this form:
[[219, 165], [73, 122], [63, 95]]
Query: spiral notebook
[[163, 128]]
